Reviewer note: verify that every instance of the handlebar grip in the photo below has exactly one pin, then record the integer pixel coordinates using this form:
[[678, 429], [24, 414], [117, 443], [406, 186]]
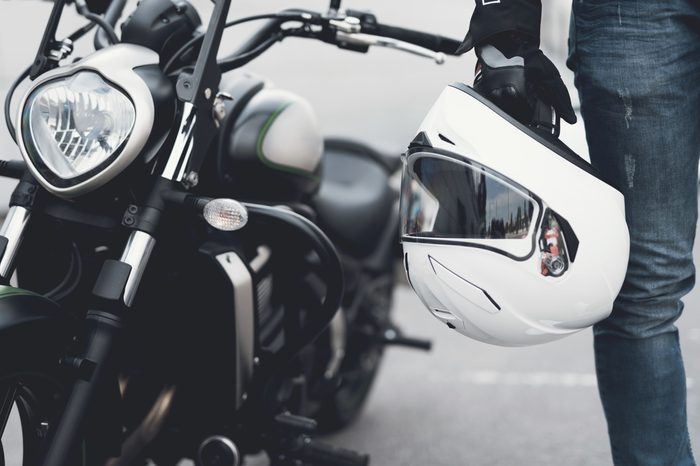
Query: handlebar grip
[[434, 42], [317, 453]]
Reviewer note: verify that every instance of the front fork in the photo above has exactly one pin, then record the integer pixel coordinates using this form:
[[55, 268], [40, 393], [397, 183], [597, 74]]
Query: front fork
[[114, 293], [96, 373], [12, 232], [95, 397]]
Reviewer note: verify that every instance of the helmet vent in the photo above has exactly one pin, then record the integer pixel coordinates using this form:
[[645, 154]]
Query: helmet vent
[[447, 317], [446, 139], [454, 280], [443, 314]]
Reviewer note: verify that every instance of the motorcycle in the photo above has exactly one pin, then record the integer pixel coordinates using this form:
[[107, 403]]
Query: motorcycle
[[154, 317]]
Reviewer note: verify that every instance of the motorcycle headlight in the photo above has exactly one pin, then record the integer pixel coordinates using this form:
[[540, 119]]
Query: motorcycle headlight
[[83, 124], [75, 125]]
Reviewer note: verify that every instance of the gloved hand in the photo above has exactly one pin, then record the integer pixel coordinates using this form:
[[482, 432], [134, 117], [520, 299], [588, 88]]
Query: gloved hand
[[515, 75]]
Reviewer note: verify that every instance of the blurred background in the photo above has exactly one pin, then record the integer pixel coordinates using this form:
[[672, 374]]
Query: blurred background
[[464, 402]]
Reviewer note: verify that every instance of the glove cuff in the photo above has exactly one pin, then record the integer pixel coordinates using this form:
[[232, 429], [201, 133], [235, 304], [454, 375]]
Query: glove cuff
[[490, 19]]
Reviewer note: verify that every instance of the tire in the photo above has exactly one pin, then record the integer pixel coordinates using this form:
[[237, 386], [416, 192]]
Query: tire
[[37, 402], [363, 356], [343, 406]]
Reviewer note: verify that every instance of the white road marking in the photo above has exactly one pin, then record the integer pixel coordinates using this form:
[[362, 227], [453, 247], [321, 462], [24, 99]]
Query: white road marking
[[536, 379]]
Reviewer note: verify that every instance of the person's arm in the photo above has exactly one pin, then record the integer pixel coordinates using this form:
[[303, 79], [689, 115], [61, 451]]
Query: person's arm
[[511, 70], [497, 17]]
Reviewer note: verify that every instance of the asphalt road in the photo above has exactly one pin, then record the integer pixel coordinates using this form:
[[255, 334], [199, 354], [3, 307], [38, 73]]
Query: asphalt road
[[468, 403], [464, 403]]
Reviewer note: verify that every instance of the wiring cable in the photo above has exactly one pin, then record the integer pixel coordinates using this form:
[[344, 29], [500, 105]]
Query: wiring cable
[[196, 40], [242, 59], [77, 34], [106, 27], [84, 11]]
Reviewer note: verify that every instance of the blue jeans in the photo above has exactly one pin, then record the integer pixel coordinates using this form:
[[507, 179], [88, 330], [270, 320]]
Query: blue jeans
[[637, 66]]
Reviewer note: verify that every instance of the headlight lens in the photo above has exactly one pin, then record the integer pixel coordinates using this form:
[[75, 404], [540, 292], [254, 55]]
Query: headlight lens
[[74, 125]]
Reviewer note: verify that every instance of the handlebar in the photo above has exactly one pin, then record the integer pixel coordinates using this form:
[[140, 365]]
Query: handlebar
[[351, 30], [366, 40], [368, 24], [358, 28], [434, 42]]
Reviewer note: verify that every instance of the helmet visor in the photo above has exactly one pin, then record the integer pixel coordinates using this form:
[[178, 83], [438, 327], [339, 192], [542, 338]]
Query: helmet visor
[[451, 199]]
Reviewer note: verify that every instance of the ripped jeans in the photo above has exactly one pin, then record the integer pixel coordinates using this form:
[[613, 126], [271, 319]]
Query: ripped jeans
[[637, 66]]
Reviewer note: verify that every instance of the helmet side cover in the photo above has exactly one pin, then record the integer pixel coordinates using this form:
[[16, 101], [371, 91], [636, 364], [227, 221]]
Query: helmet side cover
[[522, 307]]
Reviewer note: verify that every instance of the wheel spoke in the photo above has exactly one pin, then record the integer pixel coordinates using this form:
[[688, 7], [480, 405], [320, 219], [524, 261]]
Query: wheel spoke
[[7, 400]]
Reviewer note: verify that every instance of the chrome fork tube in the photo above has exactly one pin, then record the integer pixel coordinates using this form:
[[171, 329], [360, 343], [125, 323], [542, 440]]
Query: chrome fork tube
[[140, 244], [136, 254], [13, 229]]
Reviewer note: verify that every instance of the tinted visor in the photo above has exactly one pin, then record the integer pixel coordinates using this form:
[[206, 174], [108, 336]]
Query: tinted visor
[[446, 198]]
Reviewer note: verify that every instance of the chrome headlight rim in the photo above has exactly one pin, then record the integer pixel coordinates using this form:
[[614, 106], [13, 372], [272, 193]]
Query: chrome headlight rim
[[116, 65], [36, 158]]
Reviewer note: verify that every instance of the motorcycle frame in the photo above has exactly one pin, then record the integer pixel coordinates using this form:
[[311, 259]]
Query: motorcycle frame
[[118, 280]]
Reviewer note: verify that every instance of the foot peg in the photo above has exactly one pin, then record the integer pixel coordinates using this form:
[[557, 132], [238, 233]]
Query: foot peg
[[298, 447], [318, 453], [392, 336]]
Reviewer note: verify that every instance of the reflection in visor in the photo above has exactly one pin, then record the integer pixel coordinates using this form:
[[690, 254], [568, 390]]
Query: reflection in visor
[[444, 198], [552, 247]]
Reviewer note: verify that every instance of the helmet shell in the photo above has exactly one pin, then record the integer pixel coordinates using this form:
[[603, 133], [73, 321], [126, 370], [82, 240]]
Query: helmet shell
[[494, 290], [271, 146]]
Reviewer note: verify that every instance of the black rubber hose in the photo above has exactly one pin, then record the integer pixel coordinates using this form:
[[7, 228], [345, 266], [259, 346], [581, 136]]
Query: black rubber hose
[[111, 16], [104, 26], [243, 59], [270, 27], [81, 32], [276, 18]]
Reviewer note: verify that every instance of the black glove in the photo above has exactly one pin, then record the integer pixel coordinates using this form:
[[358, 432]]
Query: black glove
[[515, 75]]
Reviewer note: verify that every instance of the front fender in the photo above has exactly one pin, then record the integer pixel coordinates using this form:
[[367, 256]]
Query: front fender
[[34, 332]]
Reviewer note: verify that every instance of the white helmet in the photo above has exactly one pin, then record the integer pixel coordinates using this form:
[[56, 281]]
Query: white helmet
[[509, 237]]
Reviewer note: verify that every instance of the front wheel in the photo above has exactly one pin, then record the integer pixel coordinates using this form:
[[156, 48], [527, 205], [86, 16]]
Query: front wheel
[[30, 409], [30, 406]]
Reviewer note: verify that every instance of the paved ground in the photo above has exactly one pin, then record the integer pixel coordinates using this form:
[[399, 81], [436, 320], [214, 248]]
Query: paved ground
[[465, 402], [473, 404]]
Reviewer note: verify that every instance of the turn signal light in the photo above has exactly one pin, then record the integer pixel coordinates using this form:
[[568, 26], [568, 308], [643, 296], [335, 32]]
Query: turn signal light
[[225, 214]]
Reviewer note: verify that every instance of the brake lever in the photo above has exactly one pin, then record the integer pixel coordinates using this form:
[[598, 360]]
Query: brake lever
[[348, 24], [367, 40]]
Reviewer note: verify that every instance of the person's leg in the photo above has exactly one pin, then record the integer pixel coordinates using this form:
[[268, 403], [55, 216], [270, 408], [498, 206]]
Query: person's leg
[[637, 69]]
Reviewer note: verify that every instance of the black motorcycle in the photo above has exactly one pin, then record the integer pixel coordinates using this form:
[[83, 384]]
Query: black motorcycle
[[154, 318]]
